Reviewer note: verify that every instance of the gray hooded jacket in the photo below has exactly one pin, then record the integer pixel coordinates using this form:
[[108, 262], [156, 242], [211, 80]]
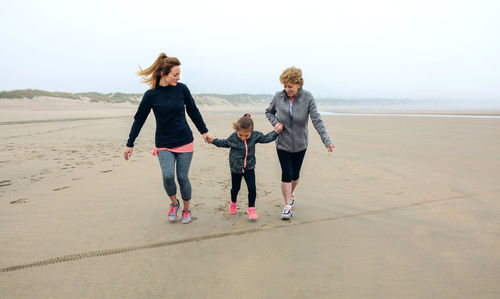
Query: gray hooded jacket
[[294, 137]]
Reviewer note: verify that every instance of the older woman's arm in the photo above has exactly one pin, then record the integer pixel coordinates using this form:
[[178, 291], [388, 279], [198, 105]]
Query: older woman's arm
[[318, 123], [271, 112]]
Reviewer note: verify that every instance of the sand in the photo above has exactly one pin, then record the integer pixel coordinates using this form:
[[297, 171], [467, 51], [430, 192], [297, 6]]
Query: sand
[[405, 207]]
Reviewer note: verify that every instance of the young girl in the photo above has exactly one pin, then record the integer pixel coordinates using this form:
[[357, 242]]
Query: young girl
[[242, 159]]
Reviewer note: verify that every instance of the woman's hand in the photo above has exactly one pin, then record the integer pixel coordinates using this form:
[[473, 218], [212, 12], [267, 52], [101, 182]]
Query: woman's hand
[[330, 147], [278, 128], [128, 152], [208, 138]]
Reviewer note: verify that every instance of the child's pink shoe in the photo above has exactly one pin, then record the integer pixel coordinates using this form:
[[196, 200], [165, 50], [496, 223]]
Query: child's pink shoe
[[232, 207], [252, 215]]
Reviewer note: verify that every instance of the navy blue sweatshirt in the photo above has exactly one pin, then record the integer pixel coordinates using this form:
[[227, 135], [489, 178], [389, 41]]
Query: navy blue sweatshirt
[[169, 104]]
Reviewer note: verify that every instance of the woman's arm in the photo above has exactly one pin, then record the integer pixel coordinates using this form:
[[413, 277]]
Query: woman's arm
[[140, 118], [193, 112], [318, 123], [271, 111]]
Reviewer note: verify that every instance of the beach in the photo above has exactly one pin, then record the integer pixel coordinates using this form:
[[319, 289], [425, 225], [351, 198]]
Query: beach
[[405, 207]]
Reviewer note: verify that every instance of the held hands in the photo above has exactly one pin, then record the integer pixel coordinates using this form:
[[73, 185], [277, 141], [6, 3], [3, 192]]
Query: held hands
[[208, 138], [330, 147], [278, 128], [128, 152]]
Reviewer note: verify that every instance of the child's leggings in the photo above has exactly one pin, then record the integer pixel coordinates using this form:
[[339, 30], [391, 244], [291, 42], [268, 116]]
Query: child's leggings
[[180, 162], [249, 176]]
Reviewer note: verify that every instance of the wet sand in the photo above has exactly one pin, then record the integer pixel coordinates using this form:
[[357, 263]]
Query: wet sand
[[405, 207]]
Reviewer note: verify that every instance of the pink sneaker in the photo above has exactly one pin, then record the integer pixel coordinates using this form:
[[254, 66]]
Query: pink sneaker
[[232, 207], [252, 215]]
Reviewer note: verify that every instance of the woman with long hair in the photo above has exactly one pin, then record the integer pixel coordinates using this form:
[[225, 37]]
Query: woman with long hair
[[169, 100]]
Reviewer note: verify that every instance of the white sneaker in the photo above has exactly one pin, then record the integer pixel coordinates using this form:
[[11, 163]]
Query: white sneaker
[[287, 213], [292, 200]]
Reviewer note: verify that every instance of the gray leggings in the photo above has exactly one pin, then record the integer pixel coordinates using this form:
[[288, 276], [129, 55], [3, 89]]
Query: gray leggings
[[168, 161]]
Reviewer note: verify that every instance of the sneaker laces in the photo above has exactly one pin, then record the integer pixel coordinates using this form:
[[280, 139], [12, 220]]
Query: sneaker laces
[[185, 213], [172, 209]]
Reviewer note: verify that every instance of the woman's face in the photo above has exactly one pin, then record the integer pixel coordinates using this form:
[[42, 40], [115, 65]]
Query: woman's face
[[291, 89], [173, 76]]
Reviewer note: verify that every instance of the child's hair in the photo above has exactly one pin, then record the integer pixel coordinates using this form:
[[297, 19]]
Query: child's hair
[[245, 123], [162, 65]]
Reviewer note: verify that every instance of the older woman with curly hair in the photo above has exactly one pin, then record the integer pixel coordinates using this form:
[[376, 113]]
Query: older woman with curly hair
[[291, 108]]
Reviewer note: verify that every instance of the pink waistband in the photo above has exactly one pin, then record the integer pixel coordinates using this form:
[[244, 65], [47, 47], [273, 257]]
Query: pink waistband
[[186, 148]]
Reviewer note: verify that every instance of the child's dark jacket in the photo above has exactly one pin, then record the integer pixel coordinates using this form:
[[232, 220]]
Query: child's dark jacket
[[242, 154]]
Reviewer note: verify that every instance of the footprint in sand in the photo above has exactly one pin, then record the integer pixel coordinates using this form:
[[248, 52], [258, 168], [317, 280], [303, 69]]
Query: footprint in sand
[[21, 200], [394, 192], [265, 192], [62, 188], [45, 171], [221, 208], [106, 171], [4, 183]]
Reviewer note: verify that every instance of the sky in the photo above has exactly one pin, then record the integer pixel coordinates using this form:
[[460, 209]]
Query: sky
[[393, 49]]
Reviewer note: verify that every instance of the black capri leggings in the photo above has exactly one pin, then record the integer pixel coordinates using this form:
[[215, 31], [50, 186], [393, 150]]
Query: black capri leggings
[[249, 176], [290, 165]]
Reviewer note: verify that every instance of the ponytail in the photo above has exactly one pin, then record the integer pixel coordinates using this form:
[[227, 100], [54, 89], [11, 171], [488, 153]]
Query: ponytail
[[245, 123], [162, 65]]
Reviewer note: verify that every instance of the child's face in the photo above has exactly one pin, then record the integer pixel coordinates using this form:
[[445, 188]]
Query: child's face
[[244, 135]]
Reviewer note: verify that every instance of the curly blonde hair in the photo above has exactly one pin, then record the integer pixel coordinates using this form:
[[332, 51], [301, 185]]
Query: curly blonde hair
[[292, 75]]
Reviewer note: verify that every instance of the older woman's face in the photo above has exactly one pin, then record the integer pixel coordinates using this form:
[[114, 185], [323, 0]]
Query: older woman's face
[[291, 89]]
